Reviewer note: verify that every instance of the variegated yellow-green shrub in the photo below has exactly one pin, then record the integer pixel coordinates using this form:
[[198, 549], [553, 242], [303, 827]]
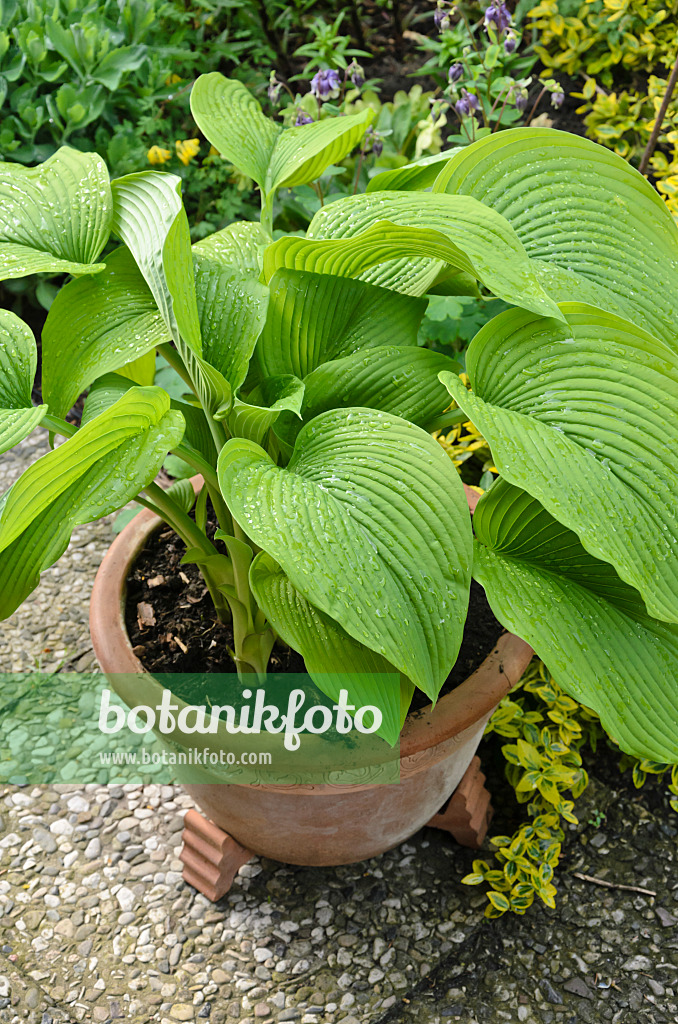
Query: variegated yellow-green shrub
[[596, 36], [547, 732], [624, 122], [546, 728]]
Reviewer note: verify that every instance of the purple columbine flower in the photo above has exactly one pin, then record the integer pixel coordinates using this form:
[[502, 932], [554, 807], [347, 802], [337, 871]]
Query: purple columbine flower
[[455, 73], [466, 104], [441, 18], [498, 17], [326, 84], [356, 74], [557, 99], [510, 42], [521, 102], [302, 118]]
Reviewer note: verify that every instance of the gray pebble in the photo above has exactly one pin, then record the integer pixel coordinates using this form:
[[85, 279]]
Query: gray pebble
[[45, 840], [93, 849], [637, 963]]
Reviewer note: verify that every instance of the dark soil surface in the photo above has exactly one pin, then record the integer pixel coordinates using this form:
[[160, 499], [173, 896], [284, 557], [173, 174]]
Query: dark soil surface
[[186, 635], [388, 34], [481, 633], [172, 625]]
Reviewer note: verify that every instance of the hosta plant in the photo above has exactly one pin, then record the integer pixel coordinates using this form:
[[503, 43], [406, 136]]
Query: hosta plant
[[344, 524]]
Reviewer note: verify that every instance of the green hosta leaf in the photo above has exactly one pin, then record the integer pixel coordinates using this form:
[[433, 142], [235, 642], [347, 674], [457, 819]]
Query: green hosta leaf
[[302, 154], [374, 248], [240, 245], [94, 473], [589, 626], [147, 217], [197, 435], [150, 219], [359, 232], [96, 325], [141, 370], [18, 363], [104, 392], [232, 312], [480, 242], [370, 523], [107, 389], [452, 282], [183, 493], [417, 175], [177, 266], [55, 217], [230, 117], [599, 230], [584, 417], [329, 653], [146, 206], [178, 468], [398, 379], [252, 419], [314, 317], [16, 424]]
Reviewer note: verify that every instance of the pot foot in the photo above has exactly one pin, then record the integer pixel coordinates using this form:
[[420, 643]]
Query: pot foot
[[210, 856], [468, 812]]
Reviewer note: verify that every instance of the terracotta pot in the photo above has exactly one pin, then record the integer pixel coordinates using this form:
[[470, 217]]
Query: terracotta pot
[[324, 823]]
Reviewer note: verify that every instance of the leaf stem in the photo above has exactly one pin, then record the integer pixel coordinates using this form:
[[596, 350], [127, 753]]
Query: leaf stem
[[208, 473], [173, 357], [534, 107], [195, 459], [266, 213], [58, 426], [501, 112], [452, 418], [177, 363], [357, 173], [179, 520], [192, 536]]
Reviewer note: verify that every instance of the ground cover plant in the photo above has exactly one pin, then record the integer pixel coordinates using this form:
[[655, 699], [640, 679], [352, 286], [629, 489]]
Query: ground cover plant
[[550, 737], [345, 523], [624, 121], [620, 56], [604, 37]]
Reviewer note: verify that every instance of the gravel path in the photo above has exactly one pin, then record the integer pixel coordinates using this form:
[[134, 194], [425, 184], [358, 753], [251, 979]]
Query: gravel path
[[96, 923], [51, 627]]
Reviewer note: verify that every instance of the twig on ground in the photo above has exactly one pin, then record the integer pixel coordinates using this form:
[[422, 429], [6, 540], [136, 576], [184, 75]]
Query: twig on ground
[[612, 885]]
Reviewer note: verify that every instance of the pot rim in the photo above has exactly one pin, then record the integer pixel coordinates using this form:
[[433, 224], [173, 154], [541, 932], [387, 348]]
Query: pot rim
[[424, 729]]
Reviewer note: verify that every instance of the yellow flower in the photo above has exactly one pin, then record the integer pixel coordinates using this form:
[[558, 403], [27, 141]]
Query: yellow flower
[[186, 149], [157, 155], [173, 79]]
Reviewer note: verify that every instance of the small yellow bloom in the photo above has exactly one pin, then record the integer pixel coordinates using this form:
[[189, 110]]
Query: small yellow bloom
[[173, 79], [157, 155], [187, 149]]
